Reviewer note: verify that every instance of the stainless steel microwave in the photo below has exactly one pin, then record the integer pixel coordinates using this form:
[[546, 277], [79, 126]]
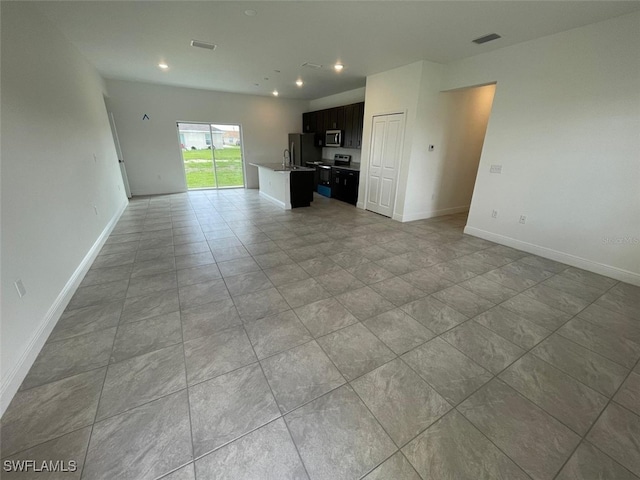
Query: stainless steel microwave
[[333, 138]]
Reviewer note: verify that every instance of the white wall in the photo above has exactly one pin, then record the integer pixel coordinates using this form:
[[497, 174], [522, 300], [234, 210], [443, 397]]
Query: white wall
[[344, 98], [394, 91], [53, 123], [423, 168], [437, 182], [564, 127], [151, 149]]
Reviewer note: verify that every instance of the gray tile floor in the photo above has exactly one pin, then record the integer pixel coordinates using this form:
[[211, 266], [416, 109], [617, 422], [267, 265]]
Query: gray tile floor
[[218, 337]]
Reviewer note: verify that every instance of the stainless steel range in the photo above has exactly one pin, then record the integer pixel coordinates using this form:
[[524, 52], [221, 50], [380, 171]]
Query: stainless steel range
[[341, 160], [324, 172]]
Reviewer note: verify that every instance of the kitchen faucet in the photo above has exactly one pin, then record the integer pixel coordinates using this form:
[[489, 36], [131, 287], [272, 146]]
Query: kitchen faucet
[[286, 158]]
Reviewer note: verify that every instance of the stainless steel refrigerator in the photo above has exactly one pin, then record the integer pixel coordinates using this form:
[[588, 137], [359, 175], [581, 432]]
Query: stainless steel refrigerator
[[302, 148]]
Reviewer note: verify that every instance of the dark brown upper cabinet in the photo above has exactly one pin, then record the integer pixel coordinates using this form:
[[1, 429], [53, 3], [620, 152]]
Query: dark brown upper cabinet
[[309, 122], [348, 118]]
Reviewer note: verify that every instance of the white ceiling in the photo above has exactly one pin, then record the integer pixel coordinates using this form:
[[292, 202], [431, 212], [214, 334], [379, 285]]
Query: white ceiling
[[127, 40]]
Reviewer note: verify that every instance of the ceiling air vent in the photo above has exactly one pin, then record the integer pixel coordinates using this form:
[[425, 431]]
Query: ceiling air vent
[[199, 44], [311, 65], [487, 38]]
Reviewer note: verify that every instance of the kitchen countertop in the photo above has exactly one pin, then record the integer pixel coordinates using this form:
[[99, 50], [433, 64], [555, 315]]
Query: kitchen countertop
[[277, 167]]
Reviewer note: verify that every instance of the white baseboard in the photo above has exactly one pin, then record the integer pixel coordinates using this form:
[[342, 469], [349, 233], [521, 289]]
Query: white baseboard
[[563, 257], [410, 217], [14, 379], [280, 203]]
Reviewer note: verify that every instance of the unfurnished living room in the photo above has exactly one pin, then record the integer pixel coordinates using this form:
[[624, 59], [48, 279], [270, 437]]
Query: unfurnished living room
[[320, 240]]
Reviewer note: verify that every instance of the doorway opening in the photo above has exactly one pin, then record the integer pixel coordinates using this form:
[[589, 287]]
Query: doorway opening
[[211, 155], [116, 143], [464, 117]]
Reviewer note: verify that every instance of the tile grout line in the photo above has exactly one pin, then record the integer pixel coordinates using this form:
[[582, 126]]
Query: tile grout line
[[495, 376], [360, 321], [95, 416], [186, 382], [584, 438], [179, 311], [281, 416]]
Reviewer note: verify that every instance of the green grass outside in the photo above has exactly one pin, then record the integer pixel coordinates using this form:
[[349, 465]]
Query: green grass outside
[[199, 168]]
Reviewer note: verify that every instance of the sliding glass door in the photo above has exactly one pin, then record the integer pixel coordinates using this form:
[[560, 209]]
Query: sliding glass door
[[212, 155]]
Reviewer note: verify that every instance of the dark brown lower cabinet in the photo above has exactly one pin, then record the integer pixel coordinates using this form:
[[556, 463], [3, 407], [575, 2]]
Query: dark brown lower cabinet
[[301, 187], [345, 185]]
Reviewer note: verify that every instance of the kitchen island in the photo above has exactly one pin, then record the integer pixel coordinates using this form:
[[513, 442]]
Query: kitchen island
[[287, 186]]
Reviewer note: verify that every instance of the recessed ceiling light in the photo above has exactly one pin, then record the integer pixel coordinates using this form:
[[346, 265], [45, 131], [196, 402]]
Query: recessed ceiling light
[[338, 67], [163, 65], [299, 82], [206, 45], [250, 13], [275, 93]]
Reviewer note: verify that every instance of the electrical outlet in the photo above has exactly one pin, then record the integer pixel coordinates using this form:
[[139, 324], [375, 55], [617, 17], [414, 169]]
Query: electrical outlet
[[95, 209], [496, 169], [20, 288], [523, 219], [494, 214]]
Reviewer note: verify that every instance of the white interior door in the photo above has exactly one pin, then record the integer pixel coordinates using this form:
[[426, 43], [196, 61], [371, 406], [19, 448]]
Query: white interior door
[[116, 141], [384, 163]]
